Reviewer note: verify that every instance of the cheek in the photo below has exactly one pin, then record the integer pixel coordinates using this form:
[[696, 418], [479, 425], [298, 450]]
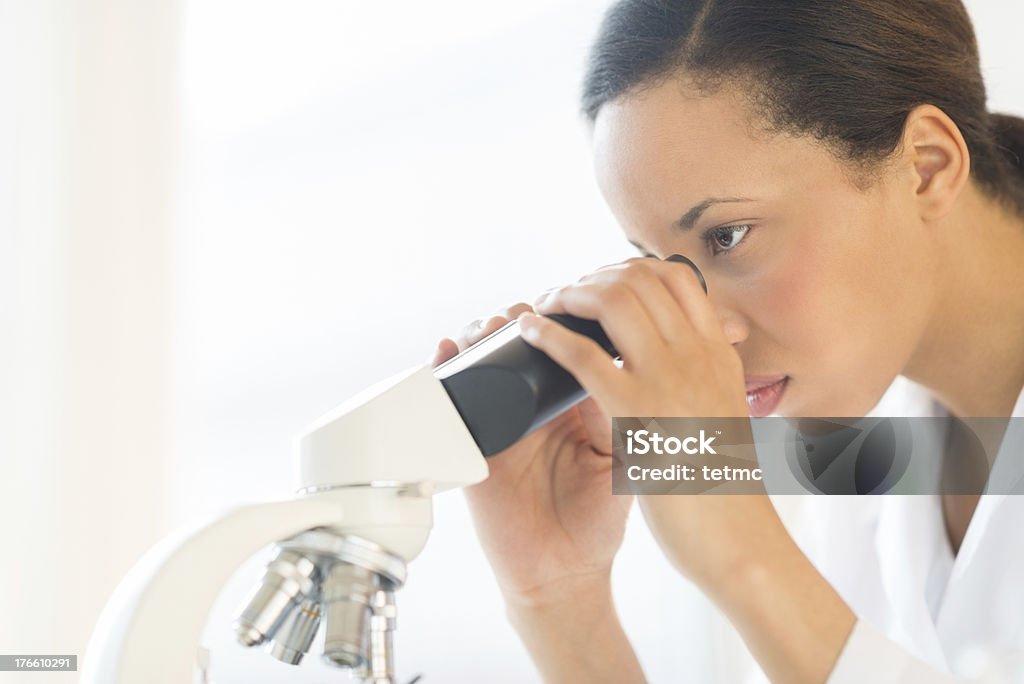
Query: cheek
[[793, 301], [793, 307], [817, 312]]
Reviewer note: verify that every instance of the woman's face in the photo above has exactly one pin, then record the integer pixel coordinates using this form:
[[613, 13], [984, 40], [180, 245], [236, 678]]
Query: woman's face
[[811, 277]]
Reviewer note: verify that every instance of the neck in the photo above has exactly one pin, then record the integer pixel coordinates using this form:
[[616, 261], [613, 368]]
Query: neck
[[972, 353]]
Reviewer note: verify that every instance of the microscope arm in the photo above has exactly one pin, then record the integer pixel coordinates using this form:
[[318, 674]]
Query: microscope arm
[[150, 630]]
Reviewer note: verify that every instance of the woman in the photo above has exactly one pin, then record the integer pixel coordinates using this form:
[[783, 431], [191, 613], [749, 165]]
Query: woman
[[858, 215]]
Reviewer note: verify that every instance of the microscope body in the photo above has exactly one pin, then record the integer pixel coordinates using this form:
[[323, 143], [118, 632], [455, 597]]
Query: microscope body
[[367, 474]]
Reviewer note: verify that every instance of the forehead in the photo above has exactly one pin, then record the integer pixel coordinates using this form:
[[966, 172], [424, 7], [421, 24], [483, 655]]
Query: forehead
[[666, 146]]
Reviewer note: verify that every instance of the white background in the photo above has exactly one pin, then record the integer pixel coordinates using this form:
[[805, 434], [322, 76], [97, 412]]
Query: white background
[[220, 219]]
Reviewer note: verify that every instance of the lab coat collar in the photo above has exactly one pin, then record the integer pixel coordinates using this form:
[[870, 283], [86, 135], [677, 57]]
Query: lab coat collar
[[910, 539], [973, 587]]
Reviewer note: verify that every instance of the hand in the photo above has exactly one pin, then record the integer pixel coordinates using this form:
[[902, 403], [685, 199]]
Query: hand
[[545, 516], [676, 358], [676, 361]]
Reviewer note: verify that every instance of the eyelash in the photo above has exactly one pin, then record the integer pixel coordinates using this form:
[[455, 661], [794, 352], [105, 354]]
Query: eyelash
[[710, 236], [709, 239]]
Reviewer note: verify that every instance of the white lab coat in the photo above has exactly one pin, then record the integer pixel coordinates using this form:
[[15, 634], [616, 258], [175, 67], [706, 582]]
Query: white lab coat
[[923, 615]]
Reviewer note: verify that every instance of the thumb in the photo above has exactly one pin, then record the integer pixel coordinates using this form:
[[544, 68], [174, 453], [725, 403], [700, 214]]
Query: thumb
[[598, 425]]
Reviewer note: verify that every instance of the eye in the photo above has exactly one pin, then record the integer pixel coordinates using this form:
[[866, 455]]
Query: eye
[[725, 238]]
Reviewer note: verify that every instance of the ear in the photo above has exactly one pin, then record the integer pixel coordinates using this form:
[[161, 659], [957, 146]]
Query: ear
[[939, 158]]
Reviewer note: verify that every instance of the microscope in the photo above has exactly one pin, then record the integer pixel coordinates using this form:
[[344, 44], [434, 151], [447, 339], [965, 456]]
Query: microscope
[[368, 471]]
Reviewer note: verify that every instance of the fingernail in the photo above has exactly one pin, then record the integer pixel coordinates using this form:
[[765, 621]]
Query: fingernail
[[528, 323]]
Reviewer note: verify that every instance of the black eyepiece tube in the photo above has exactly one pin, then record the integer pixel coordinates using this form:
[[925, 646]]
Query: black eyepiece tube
[[504, 388]]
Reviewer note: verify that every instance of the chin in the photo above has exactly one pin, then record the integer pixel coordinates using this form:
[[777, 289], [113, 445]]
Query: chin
[[792, 405]]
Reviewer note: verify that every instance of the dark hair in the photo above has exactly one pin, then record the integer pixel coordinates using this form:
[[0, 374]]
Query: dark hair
[[845, 72]]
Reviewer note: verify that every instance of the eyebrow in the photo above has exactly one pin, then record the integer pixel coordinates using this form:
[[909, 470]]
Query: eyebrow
[[688, 220]]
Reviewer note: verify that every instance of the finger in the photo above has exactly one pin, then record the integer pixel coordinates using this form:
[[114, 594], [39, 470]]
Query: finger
[[652, 289], [446, 349], [597, 424], [543, 295], [693, 267], [490, 326], [618, 309], [688, 292], [512, 312], [467, 332], [477, 330], [583, 358]]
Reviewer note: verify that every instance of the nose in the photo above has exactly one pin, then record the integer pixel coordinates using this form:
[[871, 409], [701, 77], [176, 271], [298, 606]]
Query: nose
[[734, 325]]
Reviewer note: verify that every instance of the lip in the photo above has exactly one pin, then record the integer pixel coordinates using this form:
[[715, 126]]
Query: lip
[[762, 400], [758, 381]]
